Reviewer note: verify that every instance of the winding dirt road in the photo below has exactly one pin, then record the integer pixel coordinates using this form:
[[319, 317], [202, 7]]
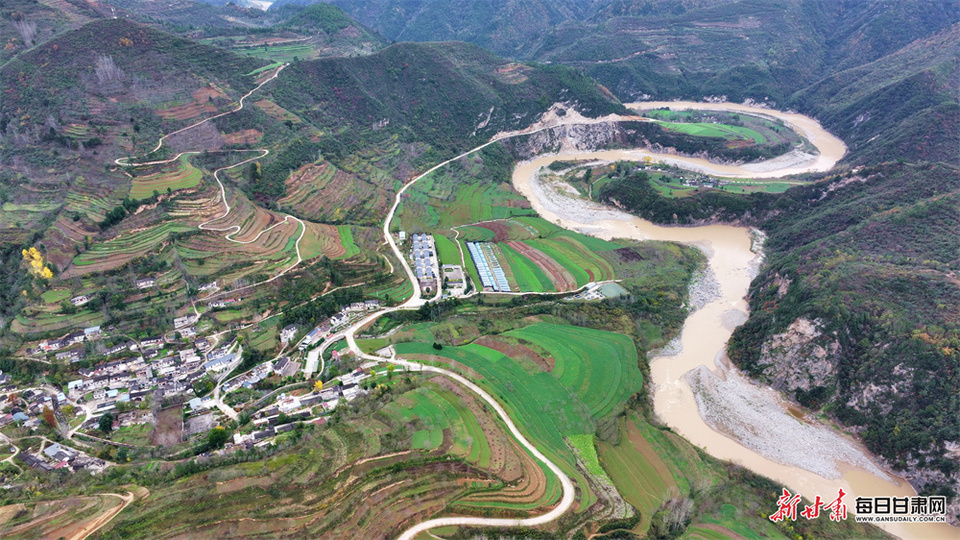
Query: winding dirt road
[[233, 229]]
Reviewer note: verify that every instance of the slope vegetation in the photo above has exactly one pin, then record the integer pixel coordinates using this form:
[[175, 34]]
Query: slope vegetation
[[856, 311]]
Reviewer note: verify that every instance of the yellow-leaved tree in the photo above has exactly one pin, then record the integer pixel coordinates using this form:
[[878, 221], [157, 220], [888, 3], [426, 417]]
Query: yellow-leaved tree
[[37, 267], [318, 386]]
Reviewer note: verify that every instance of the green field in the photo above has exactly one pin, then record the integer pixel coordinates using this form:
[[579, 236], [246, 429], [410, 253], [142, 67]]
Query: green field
[[637, 471], [584, 445], [595, 372], [346, 238], [184, 175], [438, 409], [723, 131], [581, 255], [529, 277], [265, 68], [446, 250], [55, 296]]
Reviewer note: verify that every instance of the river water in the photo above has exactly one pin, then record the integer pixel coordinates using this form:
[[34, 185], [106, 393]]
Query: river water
[[745, 423]]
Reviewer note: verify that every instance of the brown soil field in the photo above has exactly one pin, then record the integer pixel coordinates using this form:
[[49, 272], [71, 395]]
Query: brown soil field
[[628, 255], [501, 231], [277, 112], [202, 103], [242, 483], [247, 136], [561, 278], [168, 430]]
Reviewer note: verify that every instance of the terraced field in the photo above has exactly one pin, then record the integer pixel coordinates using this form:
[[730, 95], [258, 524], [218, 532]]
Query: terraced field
[[280, 52], [120, 250], [179, 175], [322, 192], [201, 104], [275, 111], [459, 194], [594, 372], [638, 472], [438, 409]]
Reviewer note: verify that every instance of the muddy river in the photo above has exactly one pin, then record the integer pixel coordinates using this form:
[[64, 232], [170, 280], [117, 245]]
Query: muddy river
[[696, 391]]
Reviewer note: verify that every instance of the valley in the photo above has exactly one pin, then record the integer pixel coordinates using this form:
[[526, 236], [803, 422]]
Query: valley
[[269, 273]]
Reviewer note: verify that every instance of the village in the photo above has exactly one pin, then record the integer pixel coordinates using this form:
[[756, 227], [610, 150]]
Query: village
[[139, 379]]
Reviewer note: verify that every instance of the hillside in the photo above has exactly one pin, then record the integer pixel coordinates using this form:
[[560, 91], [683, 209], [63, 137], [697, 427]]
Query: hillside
[[905, 105], [856, 311], [27, 23], [450, 94], [411, 106], [117, 81], [500, 26]]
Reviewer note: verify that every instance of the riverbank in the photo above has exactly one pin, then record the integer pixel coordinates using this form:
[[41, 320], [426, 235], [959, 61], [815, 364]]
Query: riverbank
[[807, 457]]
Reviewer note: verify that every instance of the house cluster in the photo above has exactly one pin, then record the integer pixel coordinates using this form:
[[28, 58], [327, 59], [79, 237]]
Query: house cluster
[[341, 319], [173, 373], [28, 412], [249, 379], [146, 283], [224, 303], [58, 456], [212, 286], [73, 338], [425, 265], [288, 333], [302, 408]]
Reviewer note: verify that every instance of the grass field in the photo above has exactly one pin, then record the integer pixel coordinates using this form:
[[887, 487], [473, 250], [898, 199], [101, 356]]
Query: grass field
[[55, 296], [637, 471], [723, 131], [178, 176], [446, 250]]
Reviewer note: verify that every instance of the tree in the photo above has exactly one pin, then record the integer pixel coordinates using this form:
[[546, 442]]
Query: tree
[[318, 386], [217, 437], [49, 418], [33, 257], [390, 369], [67, 307], [106, 423]]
